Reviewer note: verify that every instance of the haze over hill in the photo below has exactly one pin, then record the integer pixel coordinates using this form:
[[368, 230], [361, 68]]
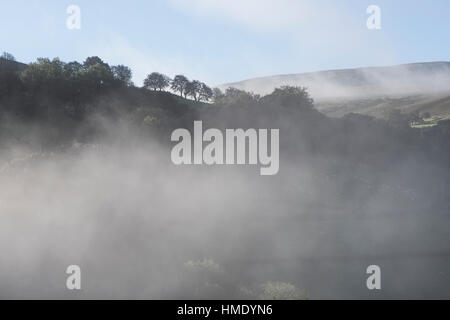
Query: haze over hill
[[86, 178], [431, 77], [367, 90]]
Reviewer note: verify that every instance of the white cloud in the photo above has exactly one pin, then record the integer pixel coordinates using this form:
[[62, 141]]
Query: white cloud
[[255, 14], [307, 22], [316, 31]]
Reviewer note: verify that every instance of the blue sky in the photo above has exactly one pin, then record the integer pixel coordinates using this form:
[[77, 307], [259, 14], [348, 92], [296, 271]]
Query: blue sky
[[224, 41]]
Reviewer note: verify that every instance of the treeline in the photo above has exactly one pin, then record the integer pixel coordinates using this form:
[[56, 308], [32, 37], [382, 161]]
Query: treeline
[[199, 91], [65, 82], [75, 81], [59, 96], [7, 56]]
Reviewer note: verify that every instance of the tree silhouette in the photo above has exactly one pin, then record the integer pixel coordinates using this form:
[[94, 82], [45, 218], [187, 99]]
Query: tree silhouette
[[234, 97], [92, 61], [98, 76], [72, 69], [123, 74], [193, 89], [179, 84], [156, 81], [8, 56], [290, 97], [45, 74], [217, 94], [205, 93]]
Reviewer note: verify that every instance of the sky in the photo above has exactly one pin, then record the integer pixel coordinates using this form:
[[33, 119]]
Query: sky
[[223, 41]]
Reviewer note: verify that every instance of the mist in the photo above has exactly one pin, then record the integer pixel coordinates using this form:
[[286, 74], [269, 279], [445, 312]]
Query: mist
[[410, 79], [142, 228]]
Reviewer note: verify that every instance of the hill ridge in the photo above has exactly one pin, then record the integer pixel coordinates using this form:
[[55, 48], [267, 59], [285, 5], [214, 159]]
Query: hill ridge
[[417, 78]]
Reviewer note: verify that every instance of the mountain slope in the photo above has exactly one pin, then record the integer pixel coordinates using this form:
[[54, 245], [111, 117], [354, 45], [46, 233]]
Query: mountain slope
[[414, 78], [437, 105], [411, 87]]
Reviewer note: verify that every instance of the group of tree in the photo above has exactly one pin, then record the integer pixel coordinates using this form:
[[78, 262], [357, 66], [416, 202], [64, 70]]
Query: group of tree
[[7, 56], [195, 89], [51, 86], [56, 78], [94, 72], [156, 81]]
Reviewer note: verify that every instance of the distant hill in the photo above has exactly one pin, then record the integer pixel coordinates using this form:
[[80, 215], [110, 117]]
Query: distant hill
[[432, 77], [423, 87]]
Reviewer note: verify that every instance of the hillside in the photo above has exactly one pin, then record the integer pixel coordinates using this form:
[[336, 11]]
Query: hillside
[[82, 150], [423, 87], [12, 66], [432, 77], [437, 105]]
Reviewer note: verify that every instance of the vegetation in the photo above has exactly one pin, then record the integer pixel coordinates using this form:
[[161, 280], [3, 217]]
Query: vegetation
[[156, 81], [353, 166], [8, 56], [65, 95]]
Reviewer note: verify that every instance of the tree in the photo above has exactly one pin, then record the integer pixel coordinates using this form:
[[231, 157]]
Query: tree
[[123, 74], [98, 76], [193, 89], [217, 94], [8, 56], [44, 74], [156, 81], [179, 84], [237, 97], [163, 82], [290, 97], [73, 69], [151, 82], [92, 61], [205, 93]]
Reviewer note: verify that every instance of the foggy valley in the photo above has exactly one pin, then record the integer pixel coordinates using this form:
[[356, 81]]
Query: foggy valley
[[87, 179]]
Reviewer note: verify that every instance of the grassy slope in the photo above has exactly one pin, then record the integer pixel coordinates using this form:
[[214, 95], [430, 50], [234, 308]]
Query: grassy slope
[[437, 106], [189, 102], [14, 66]]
